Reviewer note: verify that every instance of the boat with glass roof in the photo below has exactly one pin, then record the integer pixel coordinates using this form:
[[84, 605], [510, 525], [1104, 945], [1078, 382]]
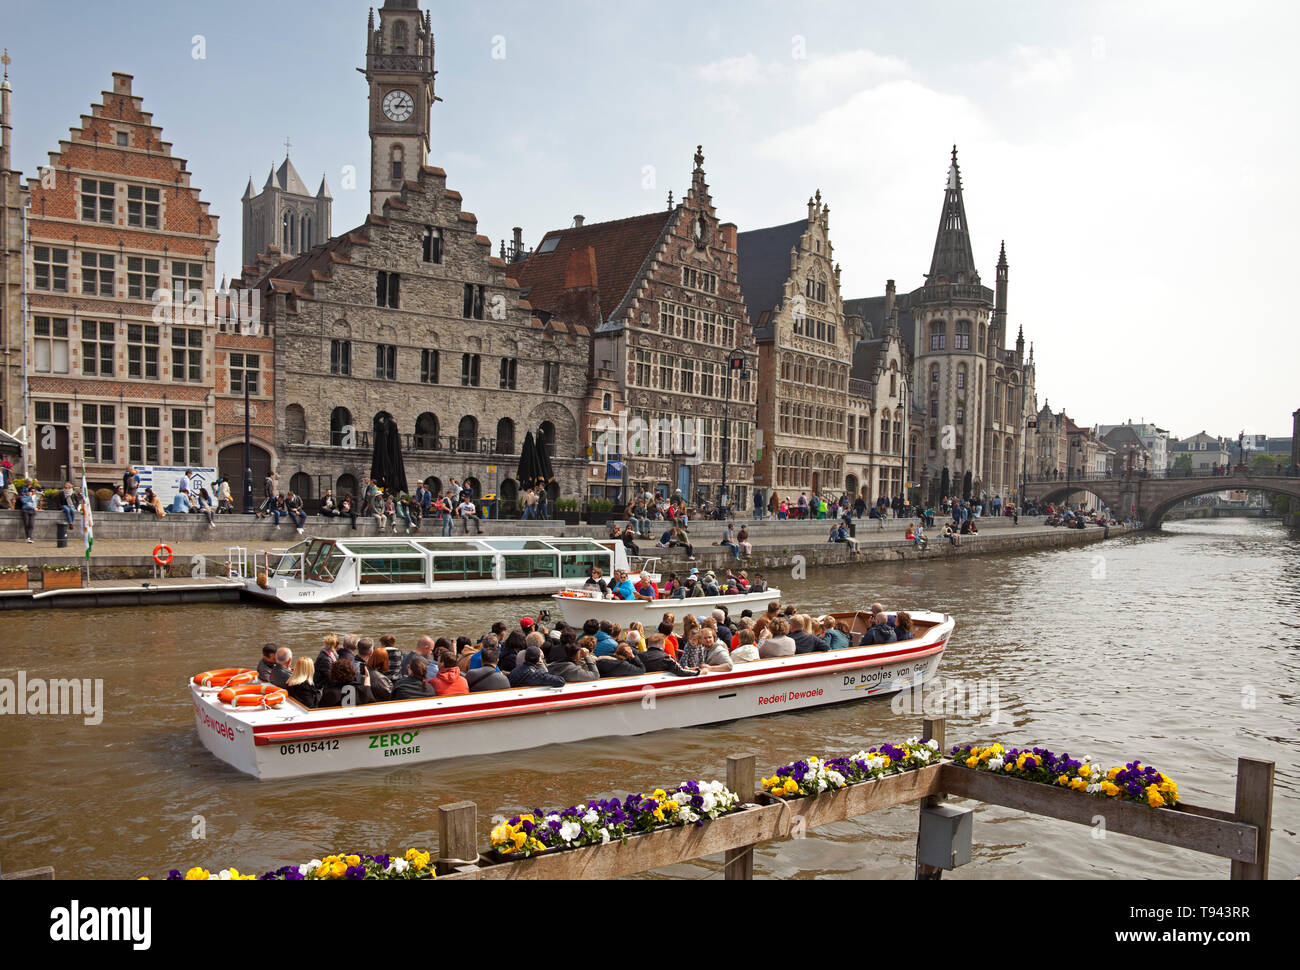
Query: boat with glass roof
[[320, 572]]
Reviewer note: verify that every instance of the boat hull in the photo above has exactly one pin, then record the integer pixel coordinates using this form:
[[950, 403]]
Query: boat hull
[[294, 742]]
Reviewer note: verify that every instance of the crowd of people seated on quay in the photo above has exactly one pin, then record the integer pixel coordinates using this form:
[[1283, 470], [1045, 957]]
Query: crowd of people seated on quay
[[694, 584], [351, 670]]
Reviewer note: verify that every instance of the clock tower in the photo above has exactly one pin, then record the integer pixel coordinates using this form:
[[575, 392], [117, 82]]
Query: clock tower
[[399, 70]]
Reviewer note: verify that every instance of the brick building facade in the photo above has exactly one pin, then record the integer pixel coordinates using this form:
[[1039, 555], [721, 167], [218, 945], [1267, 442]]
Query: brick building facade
[[662, 295], [13, 197], [114, 221]]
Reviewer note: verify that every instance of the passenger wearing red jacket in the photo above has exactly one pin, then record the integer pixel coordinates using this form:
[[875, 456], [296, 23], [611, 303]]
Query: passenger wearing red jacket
[[450, 681]]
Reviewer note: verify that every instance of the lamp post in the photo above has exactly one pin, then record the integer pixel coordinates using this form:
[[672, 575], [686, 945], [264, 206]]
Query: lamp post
[[248, 453], [735, 368], [907, 431]]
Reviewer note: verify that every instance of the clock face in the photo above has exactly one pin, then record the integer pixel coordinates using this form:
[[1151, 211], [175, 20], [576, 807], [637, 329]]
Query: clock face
[[398, 106]]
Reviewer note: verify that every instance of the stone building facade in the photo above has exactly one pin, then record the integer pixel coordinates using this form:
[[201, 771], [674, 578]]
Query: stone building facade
[[115, 222], [411, 315], [882, 432], [976, 395], [285, 214], [791, 286], [662, 295], [13, 198]]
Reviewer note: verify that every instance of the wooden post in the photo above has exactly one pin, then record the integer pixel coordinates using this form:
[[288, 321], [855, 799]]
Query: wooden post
[[739, 863], [43, 873], [932, 729], [457, 836], [1254, 807]]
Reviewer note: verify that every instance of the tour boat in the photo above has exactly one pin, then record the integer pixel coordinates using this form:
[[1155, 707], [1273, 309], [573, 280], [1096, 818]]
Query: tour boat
[[288, 740], [579, 605], [334, 572]]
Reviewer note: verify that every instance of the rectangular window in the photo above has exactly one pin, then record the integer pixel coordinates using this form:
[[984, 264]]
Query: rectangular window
[[509, 374], [699, 280], [142, 206], [98, 433], [142, 433], [97, 200], [934, 407], [142, 353], [123, 139], [387, 289], [667, 319], [432, 245], [187, 355], [397, 172], [50, 269], [687, 385], [551, 378], [469, 370], [961, 380], [707, 371], [474, 302], [428, 367], [961, 416], [51, 345], [96, 348], [666, 367], [142, 277], [187, 437], [244, 368], [385, 362], [55, 412], [97, 274], [186, 278], [642, 368], [341, 358]]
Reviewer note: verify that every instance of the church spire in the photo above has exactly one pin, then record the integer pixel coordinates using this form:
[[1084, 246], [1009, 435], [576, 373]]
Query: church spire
[[954, 260]]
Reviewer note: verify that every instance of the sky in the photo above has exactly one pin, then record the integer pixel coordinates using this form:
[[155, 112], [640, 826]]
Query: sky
[[1137, 156]]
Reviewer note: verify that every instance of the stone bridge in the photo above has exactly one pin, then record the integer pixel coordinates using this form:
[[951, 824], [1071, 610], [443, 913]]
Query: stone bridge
[[1149, 498]]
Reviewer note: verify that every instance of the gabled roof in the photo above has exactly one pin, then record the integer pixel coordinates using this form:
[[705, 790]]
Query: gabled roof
[[866, 359], [622, 249], [872, 311], [764, 256], [287, 178]]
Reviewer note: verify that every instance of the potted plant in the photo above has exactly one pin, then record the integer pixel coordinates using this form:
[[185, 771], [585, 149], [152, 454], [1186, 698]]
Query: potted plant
[[61, 577], [566, 510], [599, 511], [102, 497], [13, 577]]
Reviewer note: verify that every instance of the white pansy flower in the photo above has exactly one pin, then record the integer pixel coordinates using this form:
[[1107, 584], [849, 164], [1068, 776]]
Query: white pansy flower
[[995, 764], [709, 802], [591, 818], [570, 831], [932, 744], [604, 836]]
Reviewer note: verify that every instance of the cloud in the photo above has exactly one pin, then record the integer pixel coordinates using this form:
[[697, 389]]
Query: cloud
[[743, 70], [826, 76], [1040, 66]]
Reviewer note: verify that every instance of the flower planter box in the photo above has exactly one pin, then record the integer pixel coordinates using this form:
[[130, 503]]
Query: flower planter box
[[599, 518], [862, 798], [568, 518], [53, 580], [12, 581]]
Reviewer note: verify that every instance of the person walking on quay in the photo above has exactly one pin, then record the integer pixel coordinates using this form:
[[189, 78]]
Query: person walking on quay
[[445, 512], [28, 504], [529, 504]]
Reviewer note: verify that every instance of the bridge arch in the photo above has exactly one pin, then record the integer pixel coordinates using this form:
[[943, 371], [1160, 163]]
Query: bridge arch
[[1155, 497]]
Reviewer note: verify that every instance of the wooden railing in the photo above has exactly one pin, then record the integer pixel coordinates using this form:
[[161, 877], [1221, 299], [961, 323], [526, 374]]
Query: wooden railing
[[1240, 836]]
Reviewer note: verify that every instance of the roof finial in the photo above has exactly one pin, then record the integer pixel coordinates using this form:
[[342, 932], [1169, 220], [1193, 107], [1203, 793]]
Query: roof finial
[[5, 59], [287, 145], [699, 158], [954, 154], [671, 204]]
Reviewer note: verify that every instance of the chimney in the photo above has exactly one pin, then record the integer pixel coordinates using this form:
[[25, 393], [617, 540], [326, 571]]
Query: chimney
[[517, 253], [889, 299], [729, 232], [578, 221]]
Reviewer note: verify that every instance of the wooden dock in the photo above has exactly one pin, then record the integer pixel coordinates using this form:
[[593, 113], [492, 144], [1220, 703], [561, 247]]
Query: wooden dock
[[124, 592]]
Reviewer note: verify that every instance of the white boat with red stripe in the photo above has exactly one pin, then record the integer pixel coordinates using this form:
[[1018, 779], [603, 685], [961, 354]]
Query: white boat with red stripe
[[291, 741]]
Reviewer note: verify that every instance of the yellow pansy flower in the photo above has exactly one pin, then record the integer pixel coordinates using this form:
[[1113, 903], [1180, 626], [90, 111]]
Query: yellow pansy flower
[[352, 860], [1109, 788], [1078, 784], [1153, 797], [1110, 775], [972, 762], [1085, 771], [520, 840], [197, 874], [1063, 780]]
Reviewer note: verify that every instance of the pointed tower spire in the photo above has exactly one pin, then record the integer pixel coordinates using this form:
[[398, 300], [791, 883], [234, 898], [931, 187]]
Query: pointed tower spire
[[270, 177], [954, 260], [248, 192], [324, 191]]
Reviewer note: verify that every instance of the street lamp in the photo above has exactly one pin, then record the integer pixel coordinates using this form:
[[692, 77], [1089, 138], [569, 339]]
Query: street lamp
[[907, 431], [735, 369]]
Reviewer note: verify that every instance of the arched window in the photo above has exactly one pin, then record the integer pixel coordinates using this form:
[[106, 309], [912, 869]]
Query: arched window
[[467, 434], [399, 171], [286, 244], [934, 376], [898, 434], [300, 484], [508, 492], [426, 432], [962, 339], [345, 486], [399, 37], [938, 335], [434, 485], [893, 380], [341, 427], [983, 334], [884, 433], [306, 233], [505, 437], [546, 438]]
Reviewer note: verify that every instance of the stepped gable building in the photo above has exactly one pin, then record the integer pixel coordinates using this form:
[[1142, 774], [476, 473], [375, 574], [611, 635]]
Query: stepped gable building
[[13, 197], [977, 396], [662, 294], [410, 315], [791, 286], [285, 214], [114, 223]]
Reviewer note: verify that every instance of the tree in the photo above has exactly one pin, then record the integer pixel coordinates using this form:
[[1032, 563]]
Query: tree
[[1183, 465]]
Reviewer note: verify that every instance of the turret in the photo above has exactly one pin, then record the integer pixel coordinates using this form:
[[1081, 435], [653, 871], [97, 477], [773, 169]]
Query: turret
[[6, 115]]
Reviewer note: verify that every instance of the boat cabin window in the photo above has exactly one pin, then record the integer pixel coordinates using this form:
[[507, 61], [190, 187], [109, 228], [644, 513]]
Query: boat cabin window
[[579, 566], [291, 562], [456, 568], [380, 570], [323, 562], [536, 565]]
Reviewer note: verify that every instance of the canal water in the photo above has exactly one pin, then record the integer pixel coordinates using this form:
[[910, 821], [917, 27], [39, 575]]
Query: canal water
[[1181, 649]]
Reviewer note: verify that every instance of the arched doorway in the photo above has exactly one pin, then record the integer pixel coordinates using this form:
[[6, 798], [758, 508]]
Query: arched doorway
[[505, 437], [851, 486], [472, 486], [426, 432], [546, 437], [230, 462], [467, 434], [342, 431], [347, 485], [434, 485], [295, 424], [508, 493]]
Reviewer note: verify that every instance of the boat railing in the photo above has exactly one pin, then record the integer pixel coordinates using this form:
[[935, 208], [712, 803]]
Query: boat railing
[[649, 565], [237, 562]]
